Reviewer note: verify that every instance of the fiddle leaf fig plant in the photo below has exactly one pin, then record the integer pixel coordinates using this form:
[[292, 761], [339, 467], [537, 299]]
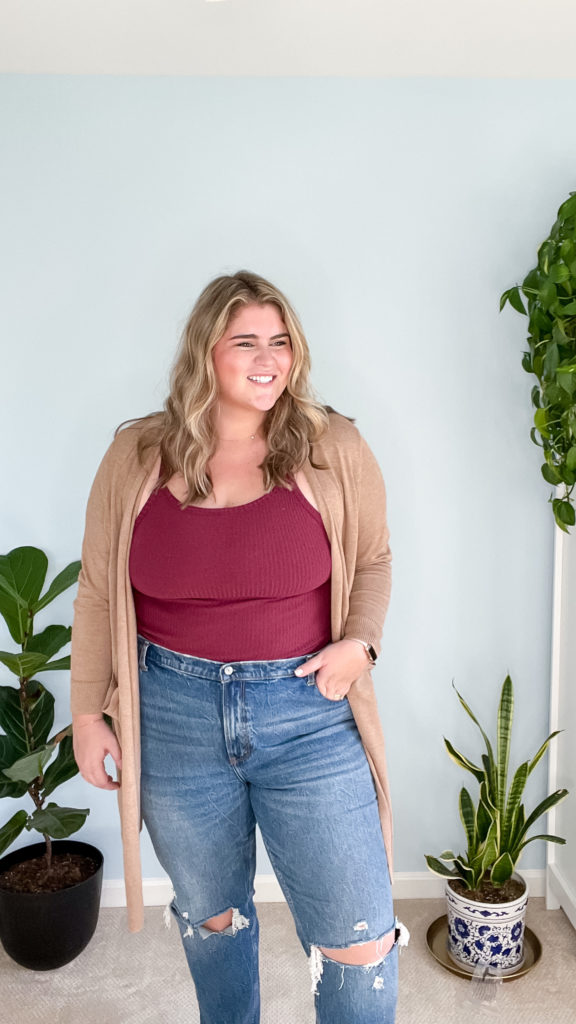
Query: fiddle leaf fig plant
[[550, 293], [31, 760], [496, 825]]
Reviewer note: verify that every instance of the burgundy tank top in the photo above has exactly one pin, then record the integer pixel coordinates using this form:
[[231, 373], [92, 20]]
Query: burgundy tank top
[[247, 583]]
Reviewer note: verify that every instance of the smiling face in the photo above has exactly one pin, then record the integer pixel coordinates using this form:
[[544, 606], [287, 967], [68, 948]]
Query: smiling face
[[252, 361]]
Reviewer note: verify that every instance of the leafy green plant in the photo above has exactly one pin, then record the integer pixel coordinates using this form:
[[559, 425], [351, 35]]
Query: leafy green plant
[[27, 762], [496, 826], [550, 292]]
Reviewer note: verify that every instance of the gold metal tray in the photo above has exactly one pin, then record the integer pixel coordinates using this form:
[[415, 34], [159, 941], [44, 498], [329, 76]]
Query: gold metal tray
[[437, 942]]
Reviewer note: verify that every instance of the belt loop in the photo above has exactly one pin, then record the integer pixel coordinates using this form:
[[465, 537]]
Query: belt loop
[[145, 644]]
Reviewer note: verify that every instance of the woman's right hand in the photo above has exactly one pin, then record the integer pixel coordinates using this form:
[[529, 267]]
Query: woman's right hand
[[93, 740]]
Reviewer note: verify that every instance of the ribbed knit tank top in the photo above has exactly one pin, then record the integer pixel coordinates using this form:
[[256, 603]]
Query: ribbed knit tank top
[[245, 583]]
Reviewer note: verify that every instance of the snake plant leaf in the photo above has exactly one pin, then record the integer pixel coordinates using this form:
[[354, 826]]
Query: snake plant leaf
[[58, 822], [502, 870], [490, 779], [543, 748], [484, 820], [490, 849], [543, 806], [469, 712], [59, 584], [64, 767], [12, 829], [465, 871], [485, 797], [468, 818], [462, 761], [23, 665], [28, 768], [446, 855], [546, 838], [503, 733], [50, 640], [438, 868], [513, 803]]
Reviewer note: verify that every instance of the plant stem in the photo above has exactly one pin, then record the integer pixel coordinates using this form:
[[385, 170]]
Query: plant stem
[[48, 852]]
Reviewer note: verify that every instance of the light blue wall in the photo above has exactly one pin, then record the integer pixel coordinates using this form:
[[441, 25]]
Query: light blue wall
[[393, 214]]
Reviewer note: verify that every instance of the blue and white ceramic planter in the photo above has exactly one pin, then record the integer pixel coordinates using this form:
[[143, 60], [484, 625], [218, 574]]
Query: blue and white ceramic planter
[[486, 933]]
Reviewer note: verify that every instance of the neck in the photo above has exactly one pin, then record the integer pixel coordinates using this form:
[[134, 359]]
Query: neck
[[229, 427]]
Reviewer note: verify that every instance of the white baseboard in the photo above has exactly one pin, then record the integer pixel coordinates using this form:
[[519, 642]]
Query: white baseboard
[[408, 885], [560, 893]]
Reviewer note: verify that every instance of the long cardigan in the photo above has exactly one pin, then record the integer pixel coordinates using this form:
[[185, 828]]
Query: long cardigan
[[351, 498]]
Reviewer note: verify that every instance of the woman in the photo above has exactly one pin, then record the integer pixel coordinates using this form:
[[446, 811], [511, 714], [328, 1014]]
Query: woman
[[235, 579]]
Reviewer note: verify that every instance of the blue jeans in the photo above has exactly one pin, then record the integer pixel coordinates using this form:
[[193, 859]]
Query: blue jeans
[[226, 746]]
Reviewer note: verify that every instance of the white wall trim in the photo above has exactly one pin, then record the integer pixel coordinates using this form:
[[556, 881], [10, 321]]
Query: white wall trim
[[559, 892], [408, 885]]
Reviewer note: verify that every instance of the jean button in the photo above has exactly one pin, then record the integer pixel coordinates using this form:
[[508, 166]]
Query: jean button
[[228, 670]]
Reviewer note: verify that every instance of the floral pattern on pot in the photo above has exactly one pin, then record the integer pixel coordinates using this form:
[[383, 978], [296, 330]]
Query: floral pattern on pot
[[486, 933]]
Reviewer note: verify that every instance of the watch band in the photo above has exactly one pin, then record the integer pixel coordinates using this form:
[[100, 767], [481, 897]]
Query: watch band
[[370, 652]]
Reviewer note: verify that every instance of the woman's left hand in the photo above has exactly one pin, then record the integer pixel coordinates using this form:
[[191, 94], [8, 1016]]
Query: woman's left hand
[[336, 668]]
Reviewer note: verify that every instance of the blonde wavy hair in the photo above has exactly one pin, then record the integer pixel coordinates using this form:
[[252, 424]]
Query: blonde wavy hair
[[184, 430]]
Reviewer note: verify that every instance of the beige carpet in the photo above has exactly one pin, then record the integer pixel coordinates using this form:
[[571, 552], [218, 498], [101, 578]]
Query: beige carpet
[[143, 979]]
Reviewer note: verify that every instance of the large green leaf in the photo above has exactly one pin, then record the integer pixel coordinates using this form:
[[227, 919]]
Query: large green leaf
[[23, 665], [12, 829], [41, 716], [28, 768], [50, 640], [24, 569], [60, 665], [12, 720], [504, 731], [11, 789], [13, 611], [58, 822], [64, 767], [59, 584]]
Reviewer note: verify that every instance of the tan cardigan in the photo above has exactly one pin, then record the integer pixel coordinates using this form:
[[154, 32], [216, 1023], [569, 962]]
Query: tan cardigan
[[352, 502]]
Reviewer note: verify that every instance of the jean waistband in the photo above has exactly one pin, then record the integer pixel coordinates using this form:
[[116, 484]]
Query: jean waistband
[[206, 669]]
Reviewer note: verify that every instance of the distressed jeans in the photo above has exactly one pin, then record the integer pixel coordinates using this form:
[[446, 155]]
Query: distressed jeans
[[229, 745]]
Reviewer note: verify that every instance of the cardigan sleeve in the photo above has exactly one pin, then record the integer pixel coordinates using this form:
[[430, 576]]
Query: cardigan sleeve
[[370, 591], [91, 654]]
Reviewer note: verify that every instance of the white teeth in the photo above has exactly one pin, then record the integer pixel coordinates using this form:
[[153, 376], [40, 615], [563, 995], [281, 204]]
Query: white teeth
[[262, 380]]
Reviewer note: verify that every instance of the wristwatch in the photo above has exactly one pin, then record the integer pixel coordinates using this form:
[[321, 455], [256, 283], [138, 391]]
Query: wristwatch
[[370, 652]]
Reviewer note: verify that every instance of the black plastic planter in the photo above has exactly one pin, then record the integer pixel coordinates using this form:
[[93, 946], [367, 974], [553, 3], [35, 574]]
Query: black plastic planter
[[46, 930]]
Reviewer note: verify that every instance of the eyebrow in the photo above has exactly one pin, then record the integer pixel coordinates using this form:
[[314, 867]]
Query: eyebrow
[[273, 337]]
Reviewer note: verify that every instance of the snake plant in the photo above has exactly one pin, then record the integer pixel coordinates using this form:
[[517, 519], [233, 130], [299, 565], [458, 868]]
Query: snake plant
[[496, 826]]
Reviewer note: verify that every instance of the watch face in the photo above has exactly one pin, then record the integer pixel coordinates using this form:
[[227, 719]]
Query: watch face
[[371, 652]]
